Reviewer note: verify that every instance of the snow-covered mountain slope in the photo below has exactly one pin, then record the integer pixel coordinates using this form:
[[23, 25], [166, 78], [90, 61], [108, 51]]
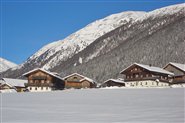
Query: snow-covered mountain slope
[[150, 21], [76, 42], [5, 64]]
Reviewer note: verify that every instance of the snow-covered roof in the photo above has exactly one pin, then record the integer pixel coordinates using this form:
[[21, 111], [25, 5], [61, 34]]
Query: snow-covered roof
[[41, 69], [2, 82], [150, 68], [83, 77], [178, 65], [88, 79], [74, 75], [115, 80], [14, 82]]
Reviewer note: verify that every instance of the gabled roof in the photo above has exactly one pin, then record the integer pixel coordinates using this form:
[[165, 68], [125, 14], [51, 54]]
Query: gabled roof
[[41, 69], [115, 80], [14, 82], [74, 75], [177, 65], [83, 77], [2, 83], [88, 79], [149, 68]]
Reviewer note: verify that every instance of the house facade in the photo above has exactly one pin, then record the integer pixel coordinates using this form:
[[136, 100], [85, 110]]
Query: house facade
[[139, 75], [42, 80], [179, 73], [17, 84], [78, 81], [113, 82]]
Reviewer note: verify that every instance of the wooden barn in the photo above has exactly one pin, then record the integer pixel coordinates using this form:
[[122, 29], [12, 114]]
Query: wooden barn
[[139, 75], [17, 84], [78, 81], [179, 73], [113, 82], [42, 80]]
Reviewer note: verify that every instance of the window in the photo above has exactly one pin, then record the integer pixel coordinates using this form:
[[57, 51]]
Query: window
[[35, 88], [137, 75], [30, 88], [75, 77], [41, 88], [46, 88]]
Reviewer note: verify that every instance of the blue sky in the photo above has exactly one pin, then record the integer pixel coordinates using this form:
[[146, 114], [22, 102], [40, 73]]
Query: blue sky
[[27, 25]]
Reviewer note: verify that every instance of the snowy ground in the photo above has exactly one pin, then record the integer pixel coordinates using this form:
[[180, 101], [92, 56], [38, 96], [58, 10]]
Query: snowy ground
[[95, 105]]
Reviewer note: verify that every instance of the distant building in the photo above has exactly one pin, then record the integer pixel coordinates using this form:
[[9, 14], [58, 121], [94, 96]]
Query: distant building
[[42, 80], [6, 86], [113, 82], [78, 81], [17, 84], [179, 73], [146, 76]]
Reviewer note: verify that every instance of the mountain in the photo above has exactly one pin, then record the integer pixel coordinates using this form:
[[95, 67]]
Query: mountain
[[61, 50], [5, 64], [155, 37]]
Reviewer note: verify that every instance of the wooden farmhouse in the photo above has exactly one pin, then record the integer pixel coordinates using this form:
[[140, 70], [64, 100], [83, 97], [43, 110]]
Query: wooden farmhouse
[[139, 75], [17, 84], [113, 82], [179, 73], [42, 80], [78, 81]]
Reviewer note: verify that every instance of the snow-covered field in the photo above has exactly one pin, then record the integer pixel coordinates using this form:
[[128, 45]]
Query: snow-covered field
[[95, 105]]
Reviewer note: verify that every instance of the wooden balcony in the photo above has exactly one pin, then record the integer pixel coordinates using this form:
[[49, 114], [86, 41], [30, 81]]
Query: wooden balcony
[[39, 77], [178, 81], [146, 78], [41, 84]]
